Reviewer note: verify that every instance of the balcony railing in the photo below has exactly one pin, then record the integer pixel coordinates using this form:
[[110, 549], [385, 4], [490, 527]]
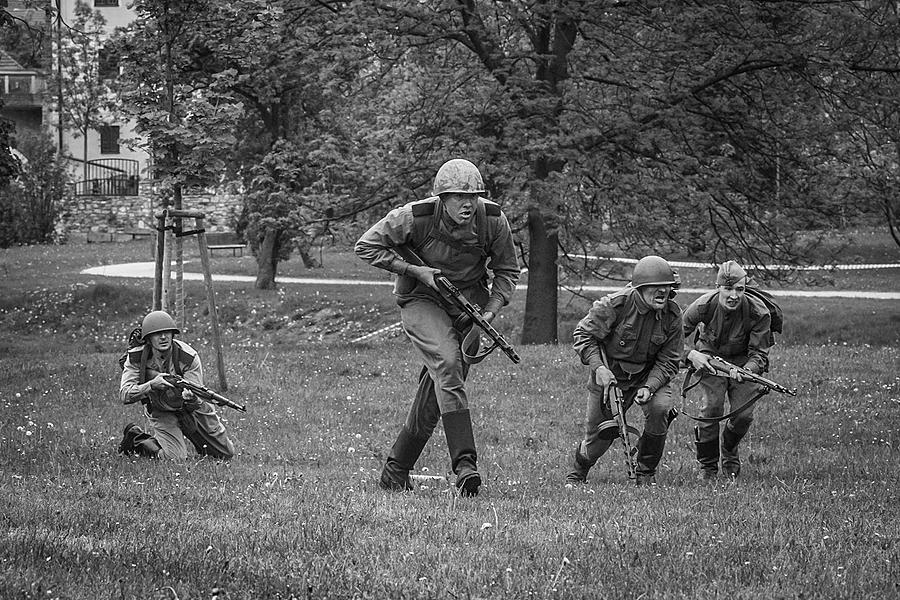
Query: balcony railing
[[110, 177], [22, 100]]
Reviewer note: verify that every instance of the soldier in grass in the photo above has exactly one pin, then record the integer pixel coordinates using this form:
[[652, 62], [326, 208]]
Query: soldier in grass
[[734, 325], [632, 338], [173, 415], [456, 232]]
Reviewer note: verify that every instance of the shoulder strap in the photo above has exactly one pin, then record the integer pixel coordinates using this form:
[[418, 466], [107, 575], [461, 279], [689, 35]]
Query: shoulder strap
[[426, 216], [481, 224]]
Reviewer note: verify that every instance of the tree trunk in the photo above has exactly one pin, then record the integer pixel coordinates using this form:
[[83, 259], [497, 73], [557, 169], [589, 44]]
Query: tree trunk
[[539, 326], [267, 260]]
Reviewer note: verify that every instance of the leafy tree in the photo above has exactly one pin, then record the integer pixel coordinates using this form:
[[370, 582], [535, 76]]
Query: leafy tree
[[189, 131], [9, 166], [88, 98], [29, 206], [282, 68], [25, 38], [659, 127]]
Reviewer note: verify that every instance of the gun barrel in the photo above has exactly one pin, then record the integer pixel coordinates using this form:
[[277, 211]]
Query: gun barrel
[[474, 313], [725, 366], [206, 393]]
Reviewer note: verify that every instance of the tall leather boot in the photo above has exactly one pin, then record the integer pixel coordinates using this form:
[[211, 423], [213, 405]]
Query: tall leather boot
[[402, 458], [463, 456], [731, 462], [707, 456], [580, 467], [137, 441], [649, 453]]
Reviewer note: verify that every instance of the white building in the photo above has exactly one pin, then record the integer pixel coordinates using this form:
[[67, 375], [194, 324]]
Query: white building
[[109, 164]]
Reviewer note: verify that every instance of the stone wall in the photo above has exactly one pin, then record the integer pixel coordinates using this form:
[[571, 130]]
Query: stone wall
[[115, 214]]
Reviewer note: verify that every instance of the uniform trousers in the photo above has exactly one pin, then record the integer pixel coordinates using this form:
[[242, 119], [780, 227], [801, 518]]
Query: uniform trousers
[[442, 381], [202, 426], [713, 391], [657, 414]]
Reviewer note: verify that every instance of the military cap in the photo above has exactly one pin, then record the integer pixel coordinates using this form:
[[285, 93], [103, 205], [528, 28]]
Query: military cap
[[730, 273]]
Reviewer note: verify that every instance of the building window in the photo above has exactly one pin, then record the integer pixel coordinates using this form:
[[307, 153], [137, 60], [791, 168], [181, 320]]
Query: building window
[[109, 139], [107, 64], [19, 84], [106, 2]]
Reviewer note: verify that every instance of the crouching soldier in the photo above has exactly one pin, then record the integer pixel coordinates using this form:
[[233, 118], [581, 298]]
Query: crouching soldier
[[735, 326], [632, 338], [173, 414]]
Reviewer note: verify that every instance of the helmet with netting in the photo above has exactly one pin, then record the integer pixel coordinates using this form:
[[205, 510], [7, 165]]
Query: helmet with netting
[[460, 176]]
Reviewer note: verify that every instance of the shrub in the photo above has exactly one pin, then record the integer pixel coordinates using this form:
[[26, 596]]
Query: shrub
[[30, 204]]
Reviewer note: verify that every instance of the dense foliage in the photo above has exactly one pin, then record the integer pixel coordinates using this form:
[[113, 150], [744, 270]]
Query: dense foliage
[[29, 205], [714, 131]]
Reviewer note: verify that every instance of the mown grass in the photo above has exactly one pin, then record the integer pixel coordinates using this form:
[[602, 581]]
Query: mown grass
[[297, 513]]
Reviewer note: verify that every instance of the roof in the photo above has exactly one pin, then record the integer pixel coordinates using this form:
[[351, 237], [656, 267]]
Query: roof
[[9, 66], [8, 63]]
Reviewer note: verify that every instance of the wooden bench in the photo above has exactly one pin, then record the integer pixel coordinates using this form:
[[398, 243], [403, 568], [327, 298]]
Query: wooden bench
[[137, 233], [100, 236], [225, 240]]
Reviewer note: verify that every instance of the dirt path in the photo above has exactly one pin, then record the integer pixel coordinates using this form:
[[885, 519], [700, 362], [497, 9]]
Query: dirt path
[[146, 270]]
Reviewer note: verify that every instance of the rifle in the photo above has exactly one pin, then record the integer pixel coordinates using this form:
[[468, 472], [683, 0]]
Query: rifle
[[620, 424], [201, 391], [473, 311], [617, 405], [723, 366]]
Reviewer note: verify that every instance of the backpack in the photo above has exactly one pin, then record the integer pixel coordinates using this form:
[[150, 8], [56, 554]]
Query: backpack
[[135, 339], [777, 325]]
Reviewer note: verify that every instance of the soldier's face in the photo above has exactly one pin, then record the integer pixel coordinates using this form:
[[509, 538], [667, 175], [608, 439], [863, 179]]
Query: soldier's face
[[656, 296], [161, 341], [730, 296], [460, 207]]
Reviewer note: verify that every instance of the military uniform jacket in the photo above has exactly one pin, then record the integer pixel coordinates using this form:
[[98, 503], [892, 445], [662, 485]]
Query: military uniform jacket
[[182, 360], [740, 336], [460, 252], [639, 342]]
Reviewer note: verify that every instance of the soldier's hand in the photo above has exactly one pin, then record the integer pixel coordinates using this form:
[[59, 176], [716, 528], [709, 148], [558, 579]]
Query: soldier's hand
[[643, 395], [488, 316], [604, 377], [424, 274], [735, 374], [159, 382], [700, 361], [191, 401]]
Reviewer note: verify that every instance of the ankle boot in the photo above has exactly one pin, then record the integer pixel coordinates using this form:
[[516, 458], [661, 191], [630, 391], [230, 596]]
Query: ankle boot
[[580, 467], [649, 453], [707, 456], [731, 462], [136, 441], [401, 459], [463, 456]]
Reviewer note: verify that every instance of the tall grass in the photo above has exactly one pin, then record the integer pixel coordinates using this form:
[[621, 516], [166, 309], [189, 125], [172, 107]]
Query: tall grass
[[297, 513]]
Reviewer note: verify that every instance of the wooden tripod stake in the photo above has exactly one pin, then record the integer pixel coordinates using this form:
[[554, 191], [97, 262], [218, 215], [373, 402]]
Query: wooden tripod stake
[[162, 274]]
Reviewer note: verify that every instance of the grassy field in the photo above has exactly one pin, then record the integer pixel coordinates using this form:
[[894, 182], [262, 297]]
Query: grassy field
[[297, 513]]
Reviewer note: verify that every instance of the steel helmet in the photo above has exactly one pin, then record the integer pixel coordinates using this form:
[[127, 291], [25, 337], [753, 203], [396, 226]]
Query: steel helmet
[[653, 270], [458, 175], [156, 321]]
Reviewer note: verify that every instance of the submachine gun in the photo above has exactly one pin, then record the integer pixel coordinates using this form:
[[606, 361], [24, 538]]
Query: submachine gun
[[201, 391], [472, 311], [723, 368], [619, 425]]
